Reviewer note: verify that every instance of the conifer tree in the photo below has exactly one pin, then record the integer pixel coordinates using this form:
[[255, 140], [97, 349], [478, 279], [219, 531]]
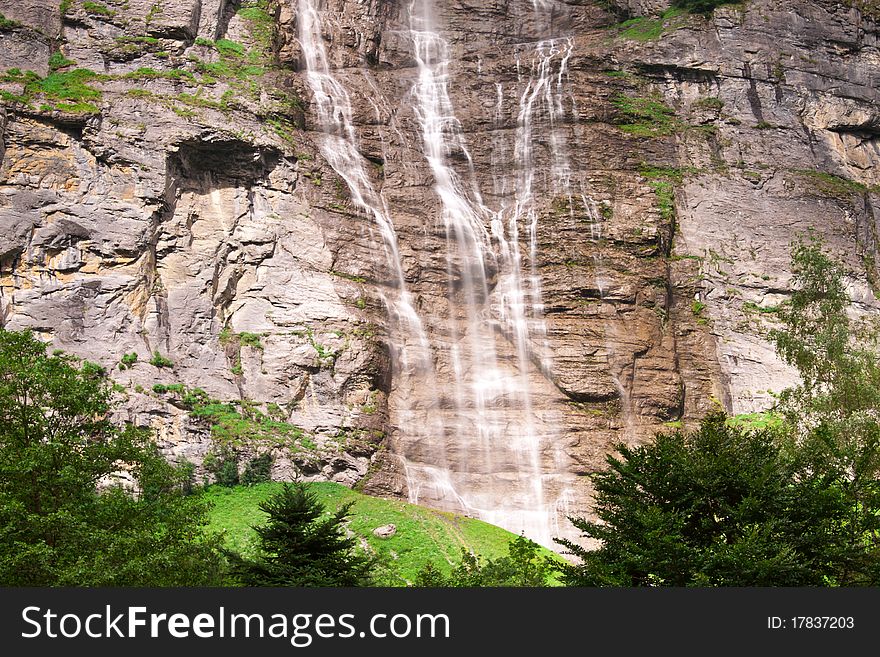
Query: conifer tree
[[301, 546]]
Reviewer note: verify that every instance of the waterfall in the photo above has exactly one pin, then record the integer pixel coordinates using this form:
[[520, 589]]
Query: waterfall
[[543, 94], [468, 431], [496, 326], [339, 146]]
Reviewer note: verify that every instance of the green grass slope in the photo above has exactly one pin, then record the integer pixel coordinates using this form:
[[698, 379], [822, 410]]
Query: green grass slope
[[422, 535]]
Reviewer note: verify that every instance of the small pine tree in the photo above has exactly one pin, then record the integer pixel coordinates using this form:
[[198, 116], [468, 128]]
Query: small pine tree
[[301, 546]]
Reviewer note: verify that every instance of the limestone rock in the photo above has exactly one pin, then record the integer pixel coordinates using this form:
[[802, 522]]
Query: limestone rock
[[385, 531]]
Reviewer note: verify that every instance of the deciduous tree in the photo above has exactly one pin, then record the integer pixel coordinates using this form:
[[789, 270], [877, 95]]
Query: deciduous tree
[[84, 500]]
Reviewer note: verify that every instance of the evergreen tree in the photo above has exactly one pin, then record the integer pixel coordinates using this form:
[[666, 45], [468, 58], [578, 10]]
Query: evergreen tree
[[301, 546], [721, 506]]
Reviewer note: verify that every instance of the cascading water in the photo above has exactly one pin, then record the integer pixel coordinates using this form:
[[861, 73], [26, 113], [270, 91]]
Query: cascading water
[[339, 146], [507, 479], [339, 139], [477, 442], [543, 95]]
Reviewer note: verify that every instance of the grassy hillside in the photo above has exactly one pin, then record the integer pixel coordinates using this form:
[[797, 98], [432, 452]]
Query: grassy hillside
[[422, 534]]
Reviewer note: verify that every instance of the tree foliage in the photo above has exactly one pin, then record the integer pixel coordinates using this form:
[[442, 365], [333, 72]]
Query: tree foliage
[[84, 501], [300, 545], [523, 566], [837, 359], [720, 506], [257, 470], [834, 413]]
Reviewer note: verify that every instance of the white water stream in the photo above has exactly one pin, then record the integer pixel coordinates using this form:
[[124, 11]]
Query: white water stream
[[484, 449], [339, 146]]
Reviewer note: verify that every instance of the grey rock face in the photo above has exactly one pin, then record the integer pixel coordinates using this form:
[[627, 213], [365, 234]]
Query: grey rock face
[[188, 212], [641, 7]]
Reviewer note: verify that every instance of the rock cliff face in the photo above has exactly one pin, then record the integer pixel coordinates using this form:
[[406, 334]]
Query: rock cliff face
[[630, 190]]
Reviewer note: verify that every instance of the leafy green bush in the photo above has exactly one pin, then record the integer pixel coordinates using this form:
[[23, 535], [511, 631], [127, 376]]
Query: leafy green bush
[[128, 360], [227, 473], [158, 360], [195, 397], [187, 471], [250, 340], [524, 565], [230, 426], [223, 464], [56, 442], [257, 470], [763, 420]]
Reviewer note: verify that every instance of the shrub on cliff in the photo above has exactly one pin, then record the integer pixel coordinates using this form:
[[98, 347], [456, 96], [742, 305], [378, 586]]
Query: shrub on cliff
[[69, 515]]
